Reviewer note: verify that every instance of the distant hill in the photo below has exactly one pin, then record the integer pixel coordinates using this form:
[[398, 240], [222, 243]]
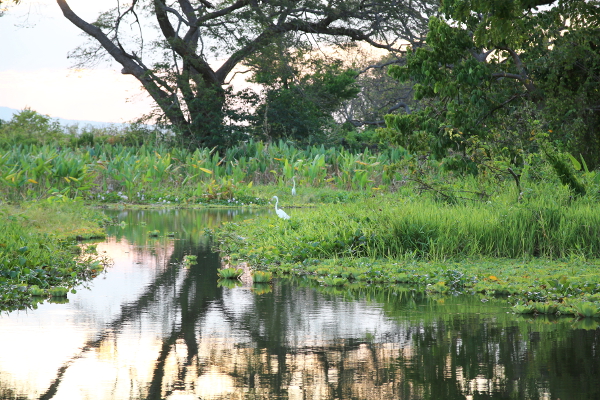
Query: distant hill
[[6, 114]]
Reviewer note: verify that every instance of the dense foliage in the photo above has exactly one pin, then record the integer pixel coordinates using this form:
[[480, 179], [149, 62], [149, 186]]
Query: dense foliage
[[493, 71], [112, 166], [300, 107]]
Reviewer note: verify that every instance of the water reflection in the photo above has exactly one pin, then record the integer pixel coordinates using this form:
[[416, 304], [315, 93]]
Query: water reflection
[[149, 328]]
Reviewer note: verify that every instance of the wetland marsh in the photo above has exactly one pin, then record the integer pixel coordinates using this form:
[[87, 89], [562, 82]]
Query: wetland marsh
[[150, 327]]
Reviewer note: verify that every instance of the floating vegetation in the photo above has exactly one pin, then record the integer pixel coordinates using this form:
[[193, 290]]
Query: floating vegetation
[[586, 309], [523, 309], [91, 249], [58, 291], [545, 308], [36, 291], [230, 273], [35, 260], [154, 233], [333, 281], [262, 277], [578, 308], [189, 260]]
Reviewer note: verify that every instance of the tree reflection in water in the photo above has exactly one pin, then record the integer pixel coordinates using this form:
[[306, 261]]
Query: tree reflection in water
[[185, 337]]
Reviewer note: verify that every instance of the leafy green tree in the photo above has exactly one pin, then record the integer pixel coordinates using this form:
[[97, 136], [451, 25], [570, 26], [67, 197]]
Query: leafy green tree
[[28, 127], [183, 52], [486, 61], [298, 103]]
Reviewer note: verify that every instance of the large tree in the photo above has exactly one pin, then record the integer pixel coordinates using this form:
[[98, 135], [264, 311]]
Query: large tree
[[494, 70], [184, 51]]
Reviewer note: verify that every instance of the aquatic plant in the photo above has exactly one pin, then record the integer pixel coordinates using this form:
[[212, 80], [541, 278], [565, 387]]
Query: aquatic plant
[[262, 277], [150, 174], [58, 291], [189, 260], [36, 291], [545, 308], [586, 309], [36, 250], [561, 285], [523, 308], [230, 273], [334, 281]]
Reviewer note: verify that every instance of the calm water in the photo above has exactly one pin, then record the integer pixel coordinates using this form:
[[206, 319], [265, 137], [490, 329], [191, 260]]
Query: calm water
[[148, 328]]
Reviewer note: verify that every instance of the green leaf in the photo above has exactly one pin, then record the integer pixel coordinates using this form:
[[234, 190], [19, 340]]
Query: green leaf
[[576, 164]]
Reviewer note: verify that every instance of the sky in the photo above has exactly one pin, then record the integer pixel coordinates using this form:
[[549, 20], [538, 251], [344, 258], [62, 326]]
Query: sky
[[35, 72]]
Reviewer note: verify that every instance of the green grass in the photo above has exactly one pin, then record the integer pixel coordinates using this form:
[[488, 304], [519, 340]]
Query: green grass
[[534, 252], [399, 228], [36, 251]]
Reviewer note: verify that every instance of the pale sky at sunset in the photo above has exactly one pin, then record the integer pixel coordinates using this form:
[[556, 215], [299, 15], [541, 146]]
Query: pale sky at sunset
[[34, 70]]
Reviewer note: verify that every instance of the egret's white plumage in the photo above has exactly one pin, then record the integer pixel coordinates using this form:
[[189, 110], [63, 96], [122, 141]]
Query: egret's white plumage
[[294, 187], [280, 213]]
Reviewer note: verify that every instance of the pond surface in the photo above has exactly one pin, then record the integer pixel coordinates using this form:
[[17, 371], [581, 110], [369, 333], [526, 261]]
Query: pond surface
[[149, 328]]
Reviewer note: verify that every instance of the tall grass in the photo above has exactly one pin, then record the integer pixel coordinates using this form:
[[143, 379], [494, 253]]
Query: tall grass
[[424, 229]]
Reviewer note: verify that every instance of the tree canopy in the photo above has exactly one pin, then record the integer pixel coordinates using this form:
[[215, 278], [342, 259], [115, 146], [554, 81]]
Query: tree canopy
[[493, 71], [183, 52]]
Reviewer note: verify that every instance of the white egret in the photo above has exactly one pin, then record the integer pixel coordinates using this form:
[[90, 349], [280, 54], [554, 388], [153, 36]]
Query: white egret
[[280, 213], [294, 188]]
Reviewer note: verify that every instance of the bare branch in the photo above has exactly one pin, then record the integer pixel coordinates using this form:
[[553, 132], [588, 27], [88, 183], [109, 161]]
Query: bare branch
[[185, 51], [378, 66], [523, 76]]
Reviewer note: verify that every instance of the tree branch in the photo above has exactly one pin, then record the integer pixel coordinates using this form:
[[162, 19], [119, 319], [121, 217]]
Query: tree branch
[[185, 51], [523, 76], [130, 66]]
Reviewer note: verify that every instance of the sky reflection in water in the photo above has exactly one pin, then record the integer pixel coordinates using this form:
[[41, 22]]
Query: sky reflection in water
[[149, 328]]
